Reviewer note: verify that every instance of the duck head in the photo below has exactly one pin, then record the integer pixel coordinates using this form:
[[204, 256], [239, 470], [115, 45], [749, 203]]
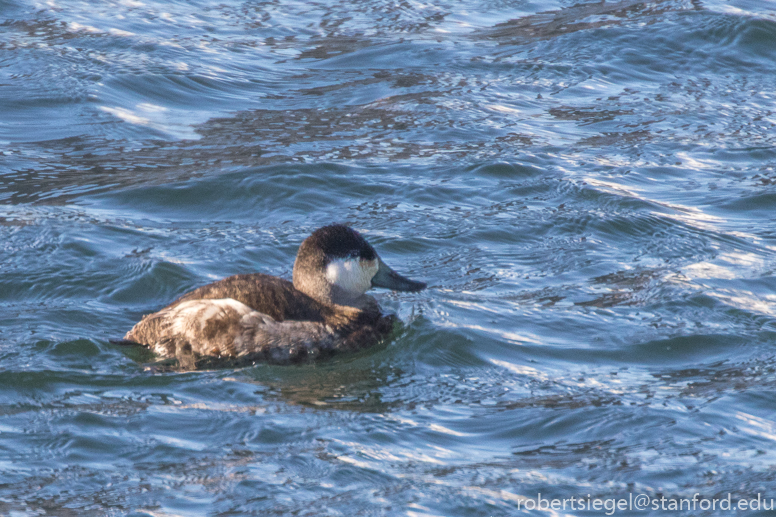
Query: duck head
[[336, 265]]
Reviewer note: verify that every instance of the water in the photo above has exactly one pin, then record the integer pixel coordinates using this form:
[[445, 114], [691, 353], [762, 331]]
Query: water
[[588, 189]]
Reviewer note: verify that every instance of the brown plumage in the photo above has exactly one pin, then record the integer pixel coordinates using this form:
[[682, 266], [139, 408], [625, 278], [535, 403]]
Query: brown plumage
[[256, 317]]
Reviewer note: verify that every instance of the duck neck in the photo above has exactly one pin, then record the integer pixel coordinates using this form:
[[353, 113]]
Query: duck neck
[[362, 303], [335, 296]]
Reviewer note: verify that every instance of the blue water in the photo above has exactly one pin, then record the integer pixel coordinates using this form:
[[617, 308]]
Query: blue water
[[587, 188]]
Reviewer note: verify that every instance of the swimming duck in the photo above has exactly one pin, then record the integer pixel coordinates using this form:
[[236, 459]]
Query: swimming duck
[[257, 317]]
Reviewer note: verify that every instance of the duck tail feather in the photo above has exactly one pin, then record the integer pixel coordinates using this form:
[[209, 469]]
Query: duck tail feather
[[124, 342]]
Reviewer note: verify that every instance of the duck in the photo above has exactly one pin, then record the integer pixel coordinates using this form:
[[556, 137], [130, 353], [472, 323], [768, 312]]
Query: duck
[[250, 318]]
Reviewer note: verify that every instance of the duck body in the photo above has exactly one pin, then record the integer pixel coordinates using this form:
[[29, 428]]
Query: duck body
[[256, 317]]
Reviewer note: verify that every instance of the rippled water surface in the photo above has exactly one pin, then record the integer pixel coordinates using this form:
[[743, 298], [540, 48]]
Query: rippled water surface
[[588, 188]]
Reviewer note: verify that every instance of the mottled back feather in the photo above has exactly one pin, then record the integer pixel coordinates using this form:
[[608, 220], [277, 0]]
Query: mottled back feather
[[270, 295]]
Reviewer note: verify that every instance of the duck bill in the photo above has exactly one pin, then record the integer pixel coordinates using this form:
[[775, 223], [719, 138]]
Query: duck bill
[[390, 279]]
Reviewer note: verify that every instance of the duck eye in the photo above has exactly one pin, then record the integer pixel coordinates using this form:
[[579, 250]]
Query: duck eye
[[354, 254]]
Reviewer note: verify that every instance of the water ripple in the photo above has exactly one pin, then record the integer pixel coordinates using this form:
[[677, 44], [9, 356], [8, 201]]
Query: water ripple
[[586, 187]]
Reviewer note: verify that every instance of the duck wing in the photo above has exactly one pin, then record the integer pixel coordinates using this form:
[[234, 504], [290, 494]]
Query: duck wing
[[270, 295], [226, 329]]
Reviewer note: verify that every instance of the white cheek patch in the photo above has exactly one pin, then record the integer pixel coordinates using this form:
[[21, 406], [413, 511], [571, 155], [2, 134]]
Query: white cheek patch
[[352, 275]]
